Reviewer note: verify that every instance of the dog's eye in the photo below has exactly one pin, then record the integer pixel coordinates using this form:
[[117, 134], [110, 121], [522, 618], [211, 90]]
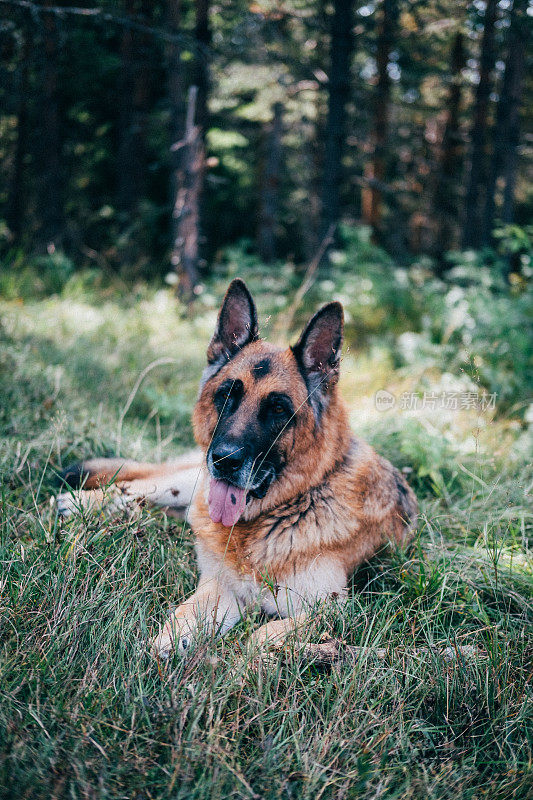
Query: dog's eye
[[276, 409], [228, 396], [279, 408]]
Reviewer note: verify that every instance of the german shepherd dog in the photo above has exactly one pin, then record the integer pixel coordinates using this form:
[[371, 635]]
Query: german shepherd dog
[[288, 503]]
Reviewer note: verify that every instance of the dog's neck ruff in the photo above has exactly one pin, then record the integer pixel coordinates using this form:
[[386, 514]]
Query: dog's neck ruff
[[296, 495]]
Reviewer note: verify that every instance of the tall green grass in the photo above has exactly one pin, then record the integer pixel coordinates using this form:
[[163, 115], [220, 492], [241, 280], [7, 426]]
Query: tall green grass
[[85, 712]]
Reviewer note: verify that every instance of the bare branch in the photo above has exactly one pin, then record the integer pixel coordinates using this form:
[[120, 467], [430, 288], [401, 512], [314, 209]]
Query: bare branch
[[284, 321], [98, 15]]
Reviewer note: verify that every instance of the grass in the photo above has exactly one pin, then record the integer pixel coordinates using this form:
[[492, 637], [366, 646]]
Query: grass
[[84, 710]]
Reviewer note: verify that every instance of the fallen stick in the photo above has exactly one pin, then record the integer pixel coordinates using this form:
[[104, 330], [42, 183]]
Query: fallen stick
[[333, 652]]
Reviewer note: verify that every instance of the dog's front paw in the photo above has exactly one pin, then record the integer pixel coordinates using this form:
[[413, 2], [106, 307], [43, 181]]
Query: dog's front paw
[[67, 504], [170, 638]]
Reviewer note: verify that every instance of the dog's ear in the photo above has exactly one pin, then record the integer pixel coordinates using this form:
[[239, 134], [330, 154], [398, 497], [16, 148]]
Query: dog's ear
[[318, 352], [236, 324]]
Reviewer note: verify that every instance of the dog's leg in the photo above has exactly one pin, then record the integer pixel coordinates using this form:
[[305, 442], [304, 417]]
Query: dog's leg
[[96, 473], [171, 486], [275, 633], [80, 500], [173, 490], [210, 608], [295, 598]]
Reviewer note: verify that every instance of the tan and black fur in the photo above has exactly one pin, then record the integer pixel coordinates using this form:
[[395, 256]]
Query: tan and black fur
[[319, 500]]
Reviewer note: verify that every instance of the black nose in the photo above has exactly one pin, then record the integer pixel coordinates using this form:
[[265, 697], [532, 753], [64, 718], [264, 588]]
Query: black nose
[[228, 457]]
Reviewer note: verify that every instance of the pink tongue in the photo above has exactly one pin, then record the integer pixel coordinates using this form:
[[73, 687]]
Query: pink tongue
[[226, 503]]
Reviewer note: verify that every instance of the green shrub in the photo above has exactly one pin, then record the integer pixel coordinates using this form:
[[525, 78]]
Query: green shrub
[[42, 276], [475, 324]]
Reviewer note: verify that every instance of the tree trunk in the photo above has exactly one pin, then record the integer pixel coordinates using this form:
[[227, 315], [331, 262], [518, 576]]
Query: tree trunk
[[516, 63], [188, 149], [310, 182], [176, 92], [507, 128], [376, 170], [473, 234], [184, 239], [188, 177], [339, 91], [134, 99], [15, 211], [176, 82], [445, 200], [270, 183], [201, 78], [48, 149]]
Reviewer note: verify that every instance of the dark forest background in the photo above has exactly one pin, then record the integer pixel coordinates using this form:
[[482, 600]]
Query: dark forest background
[[143, 137]]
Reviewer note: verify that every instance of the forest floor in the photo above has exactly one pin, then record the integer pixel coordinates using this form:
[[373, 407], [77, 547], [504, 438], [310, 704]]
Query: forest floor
[[86, 712]]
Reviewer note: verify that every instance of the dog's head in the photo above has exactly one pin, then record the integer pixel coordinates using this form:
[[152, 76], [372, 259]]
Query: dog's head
[[256, 399]]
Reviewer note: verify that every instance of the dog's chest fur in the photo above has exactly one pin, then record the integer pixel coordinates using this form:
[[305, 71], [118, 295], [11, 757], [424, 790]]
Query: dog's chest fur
[[361, 503]]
